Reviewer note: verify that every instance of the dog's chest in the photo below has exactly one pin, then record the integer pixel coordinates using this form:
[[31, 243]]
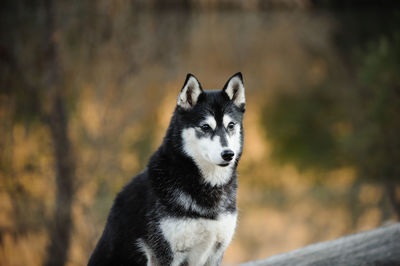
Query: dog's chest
[[199, 238]]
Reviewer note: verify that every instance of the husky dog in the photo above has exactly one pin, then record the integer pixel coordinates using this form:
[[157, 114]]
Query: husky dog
[[181, 210]]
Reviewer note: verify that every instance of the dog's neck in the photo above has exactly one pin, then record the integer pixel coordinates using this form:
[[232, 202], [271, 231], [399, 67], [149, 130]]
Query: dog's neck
[[181, 187]]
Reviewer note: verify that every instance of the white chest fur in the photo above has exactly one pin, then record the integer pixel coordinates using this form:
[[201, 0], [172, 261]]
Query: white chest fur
[[199, 241]]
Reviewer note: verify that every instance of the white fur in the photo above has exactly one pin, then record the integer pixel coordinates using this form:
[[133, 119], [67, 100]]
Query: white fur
[[226, 120], [151, 260], [187, 202], [210, 120], [206, 153], [238, 97], [233, 141], [195, 239], [195, 89]]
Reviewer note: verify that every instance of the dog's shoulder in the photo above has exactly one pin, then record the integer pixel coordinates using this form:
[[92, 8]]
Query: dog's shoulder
[[138, 189], [132, 203]]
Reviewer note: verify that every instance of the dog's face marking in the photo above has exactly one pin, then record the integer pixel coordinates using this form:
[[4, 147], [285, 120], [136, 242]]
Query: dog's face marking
[[234, 134], [209, 140], [208, 121], [212, 133]]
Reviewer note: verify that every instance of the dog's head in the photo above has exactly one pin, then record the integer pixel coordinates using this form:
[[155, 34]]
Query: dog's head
[[212, 123]]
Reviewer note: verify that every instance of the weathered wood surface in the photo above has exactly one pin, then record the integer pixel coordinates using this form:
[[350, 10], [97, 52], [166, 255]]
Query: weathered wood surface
[[378, 247]]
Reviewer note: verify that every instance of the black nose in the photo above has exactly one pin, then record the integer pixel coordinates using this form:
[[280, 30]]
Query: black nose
[[227, 155]]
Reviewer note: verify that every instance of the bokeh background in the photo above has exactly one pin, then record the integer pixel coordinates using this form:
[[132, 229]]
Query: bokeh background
[[88, 88]]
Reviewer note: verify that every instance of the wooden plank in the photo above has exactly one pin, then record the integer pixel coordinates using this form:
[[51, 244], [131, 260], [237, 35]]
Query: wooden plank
[[377, 247]]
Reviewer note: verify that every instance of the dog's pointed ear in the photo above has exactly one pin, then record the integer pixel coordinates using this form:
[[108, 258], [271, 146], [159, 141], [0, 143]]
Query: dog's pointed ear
[[190, 92], [234, 88]]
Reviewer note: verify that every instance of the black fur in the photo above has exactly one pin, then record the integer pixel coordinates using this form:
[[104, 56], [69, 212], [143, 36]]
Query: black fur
[[149, 196]]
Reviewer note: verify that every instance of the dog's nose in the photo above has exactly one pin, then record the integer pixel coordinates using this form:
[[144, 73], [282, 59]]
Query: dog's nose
[[227, 155]]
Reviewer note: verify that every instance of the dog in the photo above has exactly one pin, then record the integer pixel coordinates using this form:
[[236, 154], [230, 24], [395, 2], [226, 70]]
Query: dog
[[181, 210]]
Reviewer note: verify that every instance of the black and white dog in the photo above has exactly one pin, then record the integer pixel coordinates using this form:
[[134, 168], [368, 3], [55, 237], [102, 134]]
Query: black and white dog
[[181, 210]]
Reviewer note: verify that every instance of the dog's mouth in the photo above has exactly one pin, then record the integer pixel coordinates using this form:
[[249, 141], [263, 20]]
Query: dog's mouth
[[224, 164]]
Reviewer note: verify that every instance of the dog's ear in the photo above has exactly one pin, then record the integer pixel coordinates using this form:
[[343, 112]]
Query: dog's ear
[[190, 92], [234, 88]]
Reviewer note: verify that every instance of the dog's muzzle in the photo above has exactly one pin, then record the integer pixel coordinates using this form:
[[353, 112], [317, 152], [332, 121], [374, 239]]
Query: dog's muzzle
[[227, 155]]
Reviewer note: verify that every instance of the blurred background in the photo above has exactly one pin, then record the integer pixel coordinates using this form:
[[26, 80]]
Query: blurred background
[[87, 89]]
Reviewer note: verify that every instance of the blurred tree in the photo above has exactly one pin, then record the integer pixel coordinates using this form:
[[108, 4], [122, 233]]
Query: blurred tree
[[333, 125], [36, 96], [377, 140], [61, 224]]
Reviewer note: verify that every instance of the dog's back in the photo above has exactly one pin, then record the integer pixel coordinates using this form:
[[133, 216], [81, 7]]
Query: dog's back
[[126, 222]]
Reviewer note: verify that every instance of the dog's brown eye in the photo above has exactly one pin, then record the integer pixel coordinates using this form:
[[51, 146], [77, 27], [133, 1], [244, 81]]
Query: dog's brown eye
[[205, 127], [231, 125]]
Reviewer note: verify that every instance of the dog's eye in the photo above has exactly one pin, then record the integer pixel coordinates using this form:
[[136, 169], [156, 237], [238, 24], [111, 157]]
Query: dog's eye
[[205, 127], [231, 125]]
